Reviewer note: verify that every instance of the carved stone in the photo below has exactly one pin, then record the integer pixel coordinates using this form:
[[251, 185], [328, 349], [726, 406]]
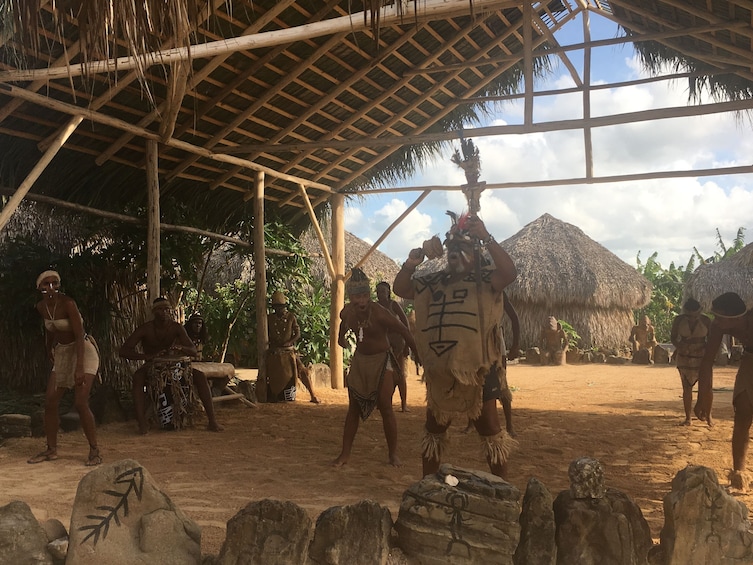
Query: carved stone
[[537, 544]]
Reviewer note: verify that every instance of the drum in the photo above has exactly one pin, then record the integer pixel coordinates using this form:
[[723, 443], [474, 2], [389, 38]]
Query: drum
[[171, 391]]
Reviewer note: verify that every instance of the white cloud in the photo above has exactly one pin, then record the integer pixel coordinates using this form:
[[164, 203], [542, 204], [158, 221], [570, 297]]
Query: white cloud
[[669, 216]]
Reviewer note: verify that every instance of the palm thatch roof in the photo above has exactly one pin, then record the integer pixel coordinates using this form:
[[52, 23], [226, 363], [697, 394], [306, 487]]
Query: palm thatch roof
[[342, 96], [378, 266], [564, 273], [733, 274]]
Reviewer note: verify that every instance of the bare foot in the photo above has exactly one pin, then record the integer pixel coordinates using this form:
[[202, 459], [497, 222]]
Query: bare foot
[[686, 422], [340, 461], [395, 461], [404, 409], [710, 423], [511, 433], [315, 400], [215, 427]]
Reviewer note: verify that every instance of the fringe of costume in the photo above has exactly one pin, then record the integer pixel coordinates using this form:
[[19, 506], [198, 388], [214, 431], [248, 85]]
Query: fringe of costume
[[365, 379], [497, 448], [739, 480], [65, 359], [433, 445]]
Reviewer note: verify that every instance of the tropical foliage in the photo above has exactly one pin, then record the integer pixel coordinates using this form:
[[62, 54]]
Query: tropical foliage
[[668, 283]]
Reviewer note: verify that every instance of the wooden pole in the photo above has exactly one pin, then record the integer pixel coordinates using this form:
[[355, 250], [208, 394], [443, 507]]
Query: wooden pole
[[260, 279], [337, 290], [31, 178], [318, 230], [587, 138], [153, 289], [429, 10]]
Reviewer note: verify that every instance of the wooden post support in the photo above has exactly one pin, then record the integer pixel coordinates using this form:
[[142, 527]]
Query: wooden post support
[[260, 279], [31, 178], [153, 220], [337, 290]]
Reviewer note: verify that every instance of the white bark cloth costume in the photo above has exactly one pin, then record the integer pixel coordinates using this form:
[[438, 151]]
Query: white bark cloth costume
[[460, 373]]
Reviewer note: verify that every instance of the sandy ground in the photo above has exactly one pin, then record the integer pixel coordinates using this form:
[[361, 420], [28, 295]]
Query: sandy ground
[[626, 416]]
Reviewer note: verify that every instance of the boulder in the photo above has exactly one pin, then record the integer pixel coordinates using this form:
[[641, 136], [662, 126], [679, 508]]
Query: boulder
[[537, 542], [459, 516], [70, 421], [54, 529], [267, 532], [37, 423], [661, 355], [703, 524], [106, 406], [586, 476], [15, 425], [358, 534], [600, 531], [573, 356], [247, 389], [642, 357], [533, 355], [22, 539], [120, 516], [320, 375]]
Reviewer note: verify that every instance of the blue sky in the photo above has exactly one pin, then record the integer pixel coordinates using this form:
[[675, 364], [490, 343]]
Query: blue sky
[[667, 216]]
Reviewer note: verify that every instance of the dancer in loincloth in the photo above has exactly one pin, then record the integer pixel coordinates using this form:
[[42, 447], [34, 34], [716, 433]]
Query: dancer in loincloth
[[397, 342], [74, 365], [689, 333], [731, 317], [284, 365], [370, 378], [163, 337], [458, 313]]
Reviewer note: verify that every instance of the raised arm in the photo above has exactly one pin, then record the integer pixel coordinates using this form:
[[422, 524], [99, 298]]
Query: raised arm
[[402, 285], [505, 271]]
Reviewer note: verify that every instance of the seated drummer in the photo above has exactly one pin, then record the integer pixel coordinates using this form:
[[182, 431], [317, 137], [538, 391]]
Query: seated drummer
[[163, 337]]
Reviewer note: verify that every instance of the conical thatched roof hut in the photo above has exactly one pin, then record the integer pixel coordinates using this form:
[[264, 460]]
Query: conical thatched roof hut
[[378, 267], [733, 274], [564, 273]]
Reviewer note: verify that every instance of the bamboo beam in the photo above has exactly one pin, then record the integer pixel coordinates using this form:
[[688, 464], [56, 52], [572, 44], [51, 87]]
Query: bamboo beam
[[153, 260], [551, 40], [638, 37], [318, 230], [392, 226], [13, 203], [260, 280], [528, 86], [176, 90], [337, 290], [721, 171], [587, 139], [147, 134], [429, 10], [142, 222]]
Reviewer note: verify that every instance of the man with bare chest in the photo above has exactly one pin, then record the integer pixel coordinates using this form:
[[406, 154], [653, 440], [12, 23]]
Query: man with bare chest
[[371, 375], [162, 337]]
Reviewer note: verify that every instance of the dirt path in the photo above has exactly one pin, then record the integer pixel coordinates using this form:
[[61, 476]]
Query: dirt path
[[626, 416]]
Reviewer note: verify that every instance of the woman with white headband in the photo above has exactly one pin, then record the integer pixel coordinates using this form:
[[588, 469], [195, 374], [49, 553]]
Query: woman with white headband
[[75, 363]]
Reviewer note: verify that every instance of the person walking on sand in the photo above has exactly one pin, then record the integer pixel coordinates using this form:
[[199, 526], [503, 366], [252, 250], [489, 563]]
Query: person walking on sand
[[689, 333], [74, 365], [731, 317], [370, 378], [458, 313]]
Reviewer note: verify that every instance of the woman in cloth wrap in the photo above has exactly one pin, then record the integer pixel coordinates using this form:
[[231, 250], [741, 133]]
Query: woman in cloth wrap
[[731, 317], [458, 313], [284, 365], [689, 334], [397, 342], [74, 365], [370, 378]]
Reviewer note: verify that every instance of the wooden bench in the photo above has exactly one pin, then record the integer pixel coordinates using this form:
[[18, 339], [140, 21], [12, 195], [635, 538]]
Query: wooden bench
[[219, 375]]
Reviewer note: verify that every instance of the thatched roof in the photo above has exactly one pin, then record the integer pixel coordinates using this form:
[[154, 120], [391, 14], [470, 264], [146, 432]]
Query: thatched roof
[[379, 267], [559, 265], [733, 274], [342, 96]]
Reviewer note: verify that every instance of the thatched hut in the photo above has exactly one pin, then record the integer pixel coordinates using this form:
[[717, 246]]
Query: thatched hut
[[733, 274], [564, 273], [378, 266]]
